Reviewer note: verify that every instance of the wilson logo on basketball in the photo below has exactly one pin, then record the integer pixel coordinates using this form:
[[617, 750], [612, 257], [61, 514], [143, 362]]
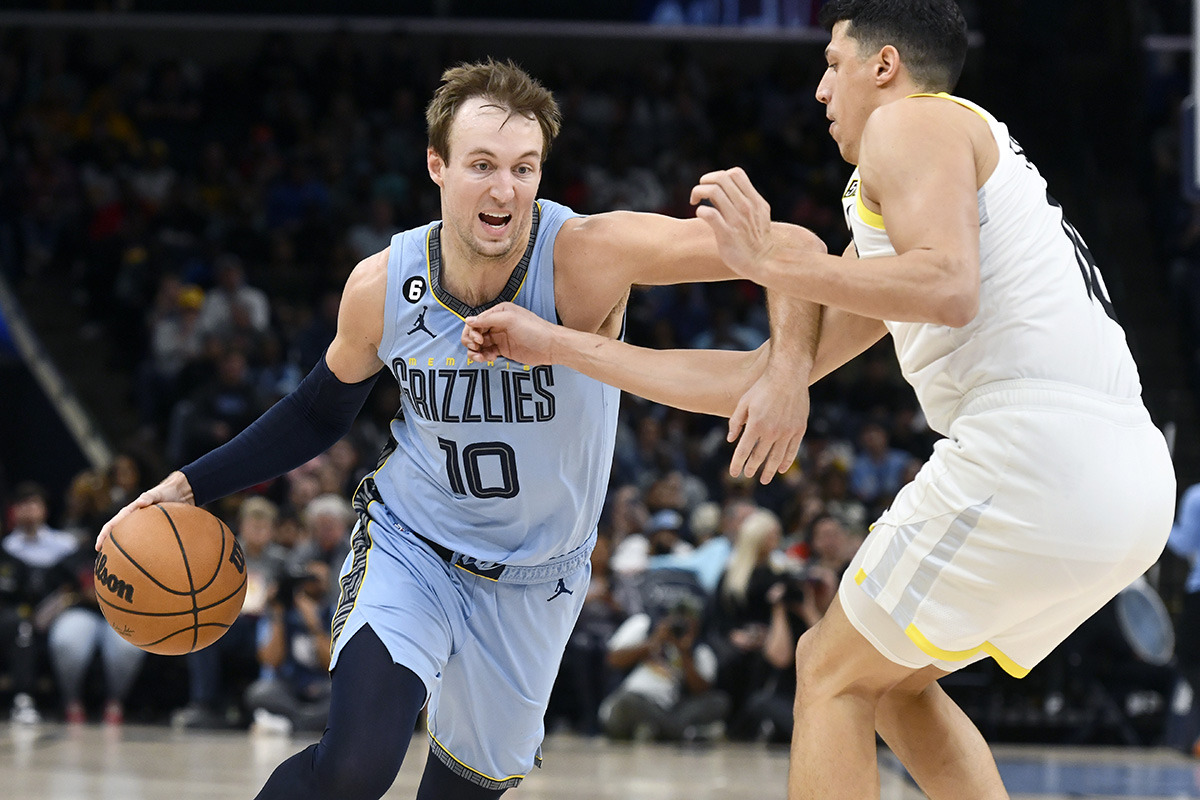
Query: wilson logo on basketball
[[111, 582]]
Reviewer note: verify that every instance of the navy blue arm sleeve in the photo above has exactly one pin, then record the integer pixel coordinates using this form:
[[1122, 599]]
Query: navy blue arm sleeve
[[298, 428]]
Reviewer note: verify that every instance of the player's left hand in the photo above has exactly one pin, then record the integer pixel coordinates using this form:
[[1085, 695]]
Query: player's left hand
[[771, 418], [509, 331], [739, 216]]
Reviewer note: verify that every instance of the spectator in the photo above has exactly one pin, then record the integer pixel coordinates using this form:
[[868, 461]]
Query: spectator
[[1184, 542], [374, 234], [668, 692], [293, 651], [215, 671], [831, 547], [216, 314], [741, 611], [35, 585], [585, 677], [768, 711], [216, 411], [75, 638], [712, 548], [663, 536], [878, 468], [175, 341], [329, 518]]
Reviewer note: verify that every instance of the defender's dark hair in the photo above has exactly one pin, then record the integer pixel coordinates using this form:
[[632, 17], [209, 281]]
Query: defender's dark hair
[[930, 35]]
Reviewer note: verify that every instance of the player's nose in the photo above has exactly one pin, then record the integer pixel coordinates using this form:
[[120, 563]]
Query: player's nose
[[503, 186], [824, 91]]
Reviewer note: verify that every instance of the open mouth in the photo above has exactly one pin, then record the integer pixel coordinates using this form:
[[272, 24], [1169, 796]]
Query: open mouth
[[495, 221]]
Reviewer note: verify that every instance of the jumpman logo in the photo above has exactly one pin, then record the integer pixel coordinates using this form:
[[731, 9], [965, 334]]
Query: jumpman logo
[[420, 325], [560, 589]]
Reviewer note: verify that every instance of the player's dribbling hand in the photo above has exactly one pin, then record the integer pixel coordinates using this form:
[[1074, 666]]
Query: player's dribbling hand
[[509, 331], [173, 489], [738, 215]]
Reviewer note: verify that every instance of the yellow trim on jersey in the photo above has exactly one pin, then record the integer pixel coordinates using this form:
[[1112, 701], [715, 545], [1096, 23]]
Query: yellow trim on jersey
[[476, 574], [1006, 663], [429, 271], [868, 216], [464, 766], [929, 648], [947, 96]]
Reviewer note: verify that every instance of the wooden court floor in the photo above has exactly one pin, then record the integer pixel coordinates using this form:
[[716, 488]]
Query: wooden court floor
[[57, 762]]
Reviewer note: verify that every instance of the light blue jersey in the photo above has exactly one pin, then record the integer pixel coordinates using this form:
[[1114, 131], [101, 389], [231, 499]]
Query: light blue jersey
[[502, 462]]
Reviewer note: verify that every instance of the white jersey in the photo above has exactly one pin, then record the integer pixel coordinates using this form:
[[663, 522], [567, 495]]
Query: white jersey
[[1044, 313]]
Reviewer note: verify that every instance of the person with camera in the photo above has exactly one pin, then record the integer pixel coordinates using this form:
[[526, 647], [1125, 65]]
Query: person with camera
[[293, 690], [740, 613], [668, 693]]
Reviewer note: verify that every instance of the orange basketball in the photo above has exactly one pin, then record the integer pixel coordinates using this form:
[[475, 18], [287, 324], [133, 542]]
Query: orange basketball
[[171, 578]]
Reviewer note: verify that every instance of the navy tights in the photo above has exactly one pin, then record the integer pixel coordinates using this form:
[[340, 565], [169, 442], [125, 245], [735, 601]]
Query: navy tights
[[372, 713]]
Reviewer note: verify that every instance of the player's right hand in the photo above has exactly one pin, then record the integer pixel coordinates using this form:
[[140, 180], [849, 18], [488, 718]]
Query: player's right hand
[[173, 489], [509, 331]]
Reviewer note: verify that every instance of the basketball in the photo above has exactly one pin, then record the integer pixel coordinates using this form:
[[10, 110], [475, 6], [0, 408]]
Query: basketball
[[171, 578]]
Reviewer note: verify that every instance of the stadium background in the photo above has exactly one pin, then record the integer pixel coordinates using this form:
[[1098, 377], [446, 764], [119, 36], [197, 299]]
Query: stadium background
[[1092, 90]]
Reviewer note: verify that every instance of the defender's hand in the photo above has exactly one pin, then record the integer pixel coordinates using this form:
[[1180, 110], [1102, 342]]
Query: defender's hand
[[509, 331], [739, 216], [173, 489], [771, 418]]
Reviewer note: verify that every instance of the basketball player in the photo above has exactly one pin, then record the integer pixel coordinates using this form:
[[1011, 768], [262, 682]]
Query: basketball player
[[1052, 489], [470, 561]]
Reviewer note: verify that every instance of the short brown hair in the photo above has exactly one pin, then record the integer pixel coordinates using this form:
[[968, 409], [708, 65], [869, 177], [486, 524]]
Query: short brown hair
[[501, 82]]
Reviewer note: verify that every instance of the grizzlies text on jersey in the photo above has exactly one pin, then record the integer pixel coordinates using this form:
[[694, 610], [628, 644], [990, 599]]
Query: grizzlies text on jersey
[[503, 462]]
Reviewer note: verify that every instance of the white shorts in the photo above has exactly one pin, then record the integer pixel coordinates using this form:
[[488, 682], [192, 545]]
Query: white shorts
[[1045, 501]]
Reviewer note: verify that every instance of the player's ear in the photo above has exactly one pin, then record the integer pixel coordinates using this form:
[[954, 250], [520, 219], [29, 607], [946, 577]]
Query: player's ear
[[887, 64], [435, 164]]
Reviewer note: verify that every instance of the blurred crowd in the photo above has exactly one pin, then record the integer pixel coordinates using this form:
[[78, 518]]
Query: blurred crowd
[[205, 216], [205, 219]]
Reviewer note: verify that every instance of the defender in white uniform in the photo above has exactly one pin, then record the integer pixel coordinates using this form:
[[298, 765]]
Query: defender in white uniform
[[1052, 489], [1052, 481]]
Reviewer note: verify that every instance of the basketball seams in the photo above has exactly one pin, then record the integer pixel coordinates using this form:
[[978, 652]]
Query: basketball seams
[[221, 528], [191, 582], [112, 537], [183, 630], [135, 613], [163, 630]]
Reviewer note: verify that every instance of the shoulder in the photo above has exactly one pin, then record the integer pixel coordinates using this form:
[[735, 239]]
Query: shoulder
[[915, 132], [368, 279], [916, 121]]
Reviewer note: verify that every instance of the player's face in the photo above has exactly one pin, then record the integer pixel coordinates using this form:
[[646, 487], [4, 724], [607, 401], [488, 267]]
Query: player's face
[[490, 179], [848, 91]]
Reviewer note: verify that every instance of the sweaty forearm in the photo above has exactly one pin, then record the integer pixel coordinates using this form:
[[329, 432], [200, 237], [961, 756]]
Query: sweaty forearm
[[703, 381]]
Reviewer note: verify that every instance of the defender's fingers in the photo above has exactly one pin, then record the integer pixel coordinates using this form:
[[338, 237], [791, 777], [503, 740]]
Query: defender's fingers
[[737, 421], [742, 455]]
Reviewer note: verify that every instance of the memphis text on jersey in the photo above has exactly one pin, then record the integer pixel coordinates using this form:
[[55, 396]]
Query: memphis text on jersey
[[447, 390]]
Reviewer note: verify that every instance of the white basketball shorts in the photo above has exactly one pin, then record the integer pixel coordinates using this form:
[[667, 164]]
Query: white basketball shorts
[[1042, 504]]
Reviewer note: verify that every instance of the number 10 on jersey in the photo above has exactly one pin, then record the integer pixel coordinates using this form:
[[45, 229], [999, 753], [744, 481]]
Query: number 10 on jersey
[[465, 471]]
